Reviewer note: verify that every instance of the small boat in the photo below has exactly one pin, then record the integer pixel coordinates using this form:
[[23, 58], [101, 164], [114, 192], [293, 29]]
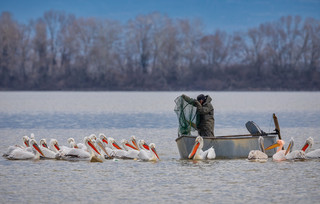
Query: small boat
[[232, 146]]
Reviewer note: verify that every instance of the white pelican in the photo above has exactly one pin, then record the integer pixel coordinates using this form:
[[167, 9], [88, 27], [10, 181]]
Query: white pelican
[[134, 142], [108, 154], [93, 137], [54, 146], [132, 152], [312, 154], [27, 147], [280, 155], [62, 150], [73, 144], [308, 144], [127, 146], [10, 149], [23, 154], [119, 152], [258, 155], [95, 153], [113, 144], [106, 146], [26, 140], [103, 138], [198, 154], [143, 145], [300, 154], [151, 155], [43, 143], [48, 153]]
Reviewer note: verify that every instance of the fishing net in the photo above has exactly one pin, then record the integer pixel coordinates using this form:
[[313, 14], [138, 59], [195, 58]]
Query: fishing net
[[186, 114]]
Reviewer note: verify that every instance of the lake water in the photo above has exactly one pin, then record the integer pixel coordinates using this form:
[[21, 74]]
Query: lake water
[[150, 116]]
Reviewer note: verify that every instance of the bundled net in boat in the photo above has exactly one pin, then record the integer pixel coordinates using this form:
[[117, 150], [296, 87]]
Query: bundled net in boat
[[186, 114]]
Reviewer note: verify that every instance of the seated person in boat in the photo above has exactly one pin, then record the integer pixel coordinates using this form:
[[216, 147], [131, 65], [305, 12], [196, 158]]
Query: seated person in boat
[[205, 114]]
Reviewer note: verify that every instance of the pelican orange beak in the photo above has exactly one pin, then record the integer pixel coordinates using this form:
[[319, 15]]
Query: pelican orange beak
[[304, 148], [45, 145], [155, 152], [273, 146], [38, 149], [146, 146], [57, 147], [26, 143], [103, 149], [129, 145], [93, 147], [289, 148], [104, 140], [116, 145], [262, 147], [134, 142], [194, 150]]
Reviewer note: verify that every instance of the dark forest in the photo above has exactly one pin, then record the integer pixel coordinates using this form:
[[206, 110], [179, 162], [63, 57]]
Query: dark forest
[[156, 53]]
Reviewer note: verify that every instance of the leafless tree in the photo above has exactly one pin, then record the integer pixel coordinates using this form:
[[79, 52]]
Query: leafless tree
[[155, 52]]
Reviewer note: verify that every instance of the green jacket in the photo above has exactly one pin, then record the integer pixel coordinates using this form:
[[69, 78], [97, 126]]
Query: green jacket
[[205, 115]]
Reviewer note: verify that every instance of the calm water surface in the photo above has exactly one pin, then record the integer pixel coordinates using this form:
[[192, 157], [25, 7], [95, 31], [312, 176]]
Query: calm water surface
[[150, 116]]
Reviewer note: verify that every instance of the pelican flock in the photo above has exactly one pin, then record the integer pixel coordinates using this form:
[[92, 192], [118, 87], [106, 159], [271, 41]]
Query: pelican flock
[[93, 149], [282, 155], [98, 149], [289, 154]]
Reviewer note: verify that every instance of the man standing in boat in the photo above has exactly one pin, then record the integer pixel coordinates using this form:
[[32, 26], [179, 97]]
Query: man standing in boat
[[205, 114]]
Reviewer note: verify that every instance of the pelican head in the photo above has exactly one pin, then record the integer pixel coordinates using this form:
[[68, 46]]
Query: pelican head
[[71, 140], [103, 138], [124, 143], [34, 144], [72, 143], [43, 143], [54, 145], [26, 140], [307, 144], [113, 143], [134, 141], [88, 142], [153, 149], [196, 147], [143, 145], [32, 136], [93, 137]]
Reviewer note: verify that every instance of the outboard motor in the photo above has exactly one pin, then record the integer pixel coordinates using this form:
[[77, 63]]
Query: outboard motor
[[254, 129]]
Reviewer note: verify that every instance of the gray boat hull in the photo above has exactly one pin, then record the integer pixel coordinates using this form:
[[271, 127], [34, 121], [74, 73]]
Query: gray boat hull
[[227, 147]]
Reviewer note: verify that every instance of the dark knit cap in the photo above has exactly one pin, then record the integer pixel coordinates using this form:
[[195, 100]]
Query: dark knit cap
[[201, 97]]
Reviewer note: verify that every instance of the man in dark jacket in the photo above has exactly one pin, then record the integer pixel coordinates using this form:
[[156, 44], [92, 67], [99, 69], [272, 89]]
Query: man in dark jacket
[[205, 114]]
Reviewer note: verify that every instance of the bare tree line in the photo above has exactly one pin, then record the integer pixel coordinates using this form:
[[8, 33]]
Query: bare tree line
[[154, 52]]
